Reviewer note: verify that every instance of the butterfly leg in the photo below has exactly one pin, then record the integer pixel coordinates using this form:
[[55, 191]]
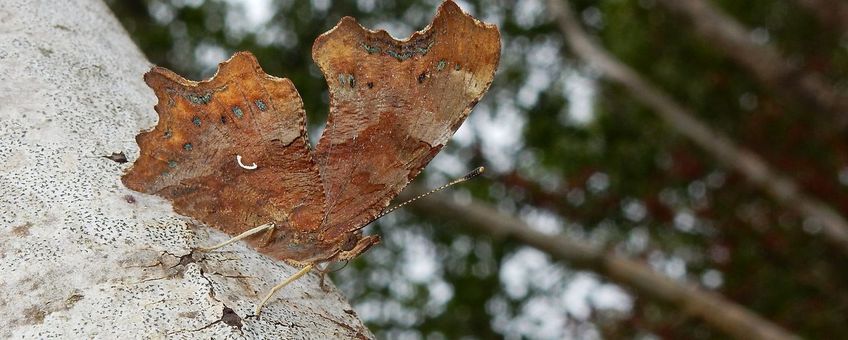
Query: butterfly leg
[[327, 270], [267, 226], [268, 238], [321, 283], [282, 284], [269, 235], [323, 274]]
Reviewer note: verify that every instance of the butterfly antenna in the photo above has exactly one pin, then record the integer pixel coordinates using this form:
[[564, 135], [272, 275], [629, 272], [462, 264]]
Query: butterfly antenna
[[470, 175]]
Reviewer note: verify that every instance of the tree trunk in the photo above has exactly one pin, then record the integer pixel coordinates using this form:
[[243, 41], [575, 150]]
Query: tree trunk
[[83, 256]]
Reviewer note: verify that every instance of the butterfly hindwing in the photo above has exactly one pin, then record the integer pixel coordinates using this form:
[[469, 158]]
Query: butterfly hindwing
[[190, 156]]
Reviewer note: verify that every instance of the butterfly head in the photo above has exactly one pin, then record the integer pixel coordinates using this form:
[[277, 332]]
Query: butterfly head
[[308, 248], [351, 244]]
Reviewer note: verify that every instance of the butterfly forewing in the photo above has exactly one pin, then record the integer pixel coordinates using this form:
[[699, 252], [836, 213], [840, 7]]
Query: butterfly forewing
[[394, 105]]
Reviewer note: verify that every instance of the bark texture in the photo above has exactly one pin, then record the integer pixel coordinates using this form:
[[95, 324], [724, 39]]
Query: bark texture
[[85, 257]]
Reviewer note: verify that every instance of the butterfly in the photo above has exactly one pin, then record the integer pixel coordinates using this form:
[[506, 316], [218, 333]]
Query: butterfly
[[233, 152]]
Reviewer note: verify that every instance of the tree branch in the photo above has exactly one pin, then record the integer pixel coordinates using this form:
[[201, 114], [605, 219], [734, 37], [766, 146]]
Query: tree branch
[[830, 12], [712, 308], [763, 61], [780, 187]]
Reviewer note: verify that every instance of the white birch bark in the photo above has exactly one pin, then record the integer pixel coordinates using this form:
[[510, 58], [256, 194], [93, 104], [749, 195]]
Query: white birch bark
[[82, 256]]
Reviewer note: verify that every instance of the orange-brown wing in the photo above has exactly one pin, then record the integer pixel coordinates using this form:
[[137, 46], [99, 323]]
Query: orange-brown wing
[[190, 156], [394, 105]]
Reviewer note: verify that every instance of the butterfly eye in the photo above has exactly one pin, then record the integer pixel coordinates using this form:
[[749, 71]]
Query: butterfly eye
[[350, 243]]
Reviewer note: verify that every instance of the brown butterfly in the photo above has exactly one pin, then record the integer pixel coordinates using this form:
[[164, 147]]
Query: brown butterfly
[[232, 151]]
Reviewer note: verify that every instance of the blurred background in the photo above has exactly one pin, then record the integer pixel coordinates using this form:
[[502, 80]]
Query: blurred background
[[743, 197]]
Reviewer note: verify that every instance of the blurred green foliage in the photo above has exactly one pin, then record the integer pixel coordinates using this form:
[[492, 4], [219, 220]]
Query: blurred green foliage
[[581, 153]]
